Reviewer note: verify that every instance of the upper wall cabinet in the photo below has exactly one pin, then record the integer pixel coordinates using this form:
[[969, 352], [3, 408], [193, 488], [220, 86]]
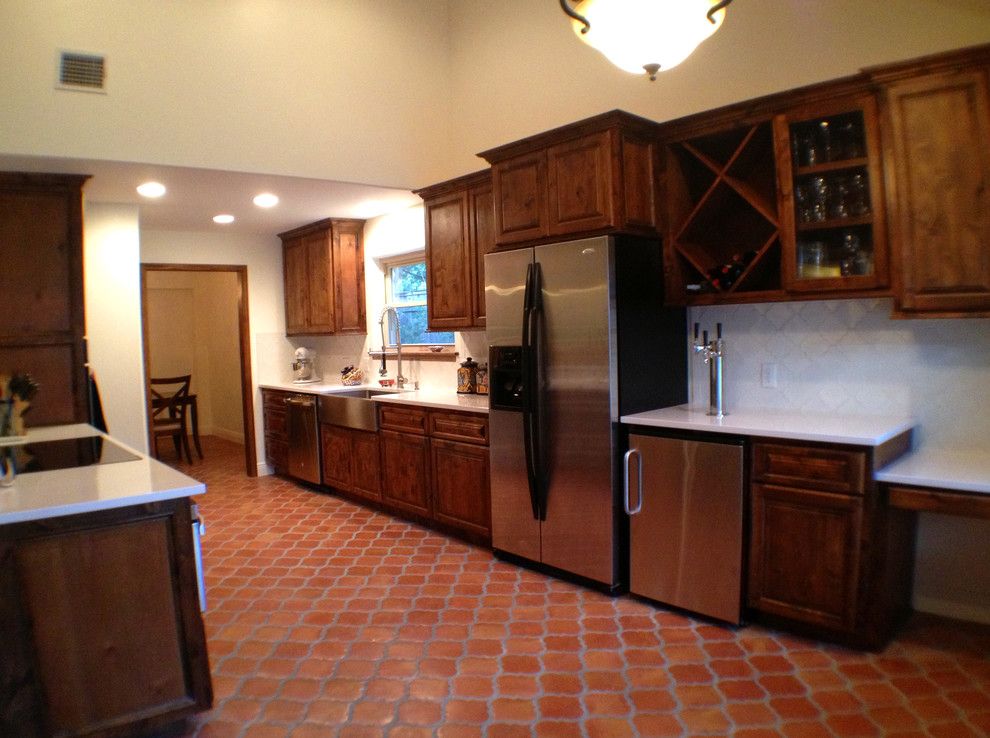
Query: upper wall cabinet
[[591, 177], [787, 203], [937, 125], [460, 230], [833, 227], [41, 292], [323, 266]]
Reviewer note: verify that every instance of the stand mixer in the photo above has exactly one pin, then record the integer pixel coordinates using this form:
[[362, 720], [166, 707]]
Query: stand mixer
[[302, 367]]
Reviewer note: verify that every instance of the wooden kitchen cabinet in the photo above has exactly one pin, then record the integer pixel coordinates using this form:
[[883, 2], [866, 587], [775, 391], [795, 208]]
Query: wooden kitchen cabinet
[[459, 217], [41, 292], [592, 177], [276, 440], [435, 468], [832, 215], [406, 472], [827, 557], [351, 460], [461, 485], [323, 269], [937, 125], [105, 610]]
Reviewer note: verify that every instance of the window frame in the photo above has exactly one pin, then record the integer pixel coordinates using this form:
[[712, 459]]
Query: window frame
[[445, 347]]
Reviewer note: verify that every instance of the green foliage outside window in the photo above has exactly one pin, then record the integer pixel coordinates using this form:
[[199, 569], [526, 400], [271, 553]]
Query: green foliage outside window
[[406, 285]]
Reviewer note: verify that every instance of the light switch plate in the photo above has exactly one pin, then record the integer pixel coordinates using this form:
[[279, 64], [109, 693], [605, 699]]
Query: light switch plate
[[768, 375]]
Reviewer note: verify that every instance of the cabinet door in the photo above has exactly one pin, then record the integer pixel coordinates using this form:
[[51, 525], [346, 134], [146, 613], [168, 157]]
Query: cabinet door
[[335, 443], [295, 266], [460, 486], [319, 278], [580, 182], [276, 446], [448, 263], [117, 633], [939, 128], [481, 208], [406, 471], [805, 555], [832, 214], [520, 191], [41, 292], [348, 274], [366, 475]]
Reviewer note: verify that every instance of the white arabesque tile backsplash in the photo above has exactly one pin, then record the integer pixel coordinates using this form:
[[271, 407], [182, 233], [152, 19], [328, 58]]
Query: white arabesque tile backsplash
[[850, 356]]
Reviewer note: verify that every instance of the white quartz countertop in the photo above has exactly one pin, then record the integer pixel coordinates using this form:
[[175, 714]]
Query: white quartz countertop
[[965, 470], [438, 398], [51, 494], [860, 430]]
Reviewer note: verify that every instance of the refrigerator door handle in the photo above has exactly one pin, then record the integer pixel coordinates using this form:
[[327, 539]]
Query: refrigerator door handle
[[639, 481], [538, 382], [529, 429]]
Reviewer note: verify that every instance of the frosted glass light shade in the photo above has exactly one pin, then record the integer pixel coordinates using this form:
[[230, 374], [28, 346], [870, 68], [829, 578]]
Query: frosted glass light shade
[[634, 34]]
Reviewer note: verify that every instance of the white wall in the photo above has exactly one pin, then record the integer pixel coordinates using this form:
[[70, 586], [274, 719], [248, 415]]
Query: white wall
[[193, 329], [113, 317], [848, 356], [263, 257], [294, 87]]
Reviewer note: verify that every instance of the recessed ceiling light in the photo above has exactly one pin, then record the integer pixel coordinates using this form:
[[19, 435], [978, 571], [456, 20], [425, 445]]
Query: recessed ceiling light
[[151, 189], [266, 200], [223, 218]]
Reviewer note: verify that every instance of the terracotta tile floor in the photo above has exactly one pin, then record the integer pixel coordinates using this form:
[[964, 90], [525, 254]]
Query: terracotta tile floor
[[327, 619]]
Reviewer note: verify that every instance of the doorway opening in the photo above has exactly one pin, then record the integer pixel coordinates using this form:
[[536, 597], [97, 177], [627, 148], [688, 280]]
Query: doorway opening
[[195, 321]]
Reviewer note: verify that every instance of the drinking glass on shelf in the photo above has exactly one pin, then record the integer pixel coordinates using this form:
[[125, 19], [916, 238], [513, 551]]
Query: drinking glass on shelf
[[802, 199], [858, 196], [838, 198], [819, 198], [851, 139]]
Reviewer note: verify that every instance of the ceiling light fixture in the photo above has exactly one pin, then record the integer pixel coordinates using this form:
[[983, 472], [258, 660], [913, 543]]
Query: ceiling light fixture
[[223, 218], [649, 35], [151, 189], [266, 200]]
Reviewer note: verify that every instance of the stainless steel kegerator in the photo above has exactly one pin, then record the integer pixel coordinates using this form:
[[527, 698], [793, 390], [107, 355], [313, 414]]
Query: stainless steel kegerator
[[578, 336]]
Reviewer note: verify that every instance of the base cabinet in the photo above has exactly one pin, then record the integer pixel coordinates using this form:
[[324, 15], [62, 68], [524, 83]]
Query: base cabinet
[[461, 468], [805, 548], [435, 468], [351, 461], [827, 556], [406, 464], [276, 438], [103, 612]]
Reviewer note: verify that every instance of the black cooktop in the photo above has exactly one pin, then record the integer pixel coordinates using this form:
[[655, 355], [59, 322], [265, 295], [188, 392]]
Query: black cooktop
[[68, 453]]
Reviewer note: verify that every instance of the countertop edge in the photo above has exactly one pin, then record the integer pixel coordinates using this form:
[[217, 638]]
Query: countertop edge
[[439, 399]]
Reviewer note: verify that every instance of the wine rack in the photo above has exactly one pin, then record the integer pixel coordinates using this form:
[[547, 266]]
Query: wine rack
[[724, 234]]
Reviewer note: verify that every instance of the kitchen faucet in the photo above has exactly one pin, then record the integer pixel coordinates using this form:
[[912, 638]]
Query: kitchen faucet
[[714, 352], [400, 381]]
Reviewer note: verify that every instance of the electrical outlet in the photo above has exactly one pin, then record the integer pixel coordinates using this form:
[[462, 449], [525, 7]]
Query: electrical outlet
[[768, 375]]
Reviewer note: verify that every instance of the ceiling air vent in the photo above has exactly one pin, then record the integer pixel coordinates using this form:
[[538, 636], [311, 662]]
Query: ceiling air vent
[[85, 72]]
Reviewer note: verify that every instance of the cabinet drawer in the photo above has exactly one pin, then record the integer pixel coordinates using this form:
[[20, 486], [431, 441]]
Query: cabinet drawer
[[810, 467], [273, 400], [275, 422], [407, 419], [459, 427]]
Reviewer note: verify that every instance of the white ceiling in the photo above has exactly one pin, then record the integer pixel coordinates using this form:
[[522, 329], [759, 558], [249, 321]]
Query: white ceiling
[[194, 196]]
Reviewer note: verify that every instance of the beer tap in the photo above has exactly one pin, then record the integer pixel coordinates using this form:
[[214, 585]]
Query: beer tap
[[713, 352]]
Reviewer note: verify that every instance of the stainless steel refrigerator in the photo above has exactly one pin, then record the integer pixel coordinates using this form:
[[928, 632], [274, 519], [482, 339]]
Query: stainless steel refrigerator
[[578, 335]]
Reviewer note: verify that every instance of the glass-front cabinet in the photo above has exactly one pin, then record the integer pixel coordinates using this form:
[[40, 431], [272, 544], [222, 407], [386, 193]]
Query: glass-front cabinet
[[831, 198]]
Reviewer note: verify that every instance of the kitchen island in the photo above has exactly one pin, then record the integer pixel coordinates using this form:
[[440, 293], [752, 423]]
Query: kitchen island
[[99, 596]]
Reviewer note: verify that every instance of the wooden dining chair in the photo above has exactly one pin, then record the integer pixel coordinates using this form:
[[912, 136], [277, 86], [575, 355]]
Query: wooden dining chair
[[169, 403]]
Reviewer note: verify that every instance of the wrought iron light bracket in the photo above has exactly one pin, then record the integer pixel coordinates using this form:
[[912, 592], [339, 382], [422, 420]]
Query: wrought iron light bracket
[[566, 7]]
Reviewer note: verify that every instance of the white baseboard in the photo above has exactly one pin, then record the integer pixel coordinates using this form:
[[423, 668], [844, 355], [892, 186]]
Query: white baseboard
[[264, 470], [950, 609], [227, 435]]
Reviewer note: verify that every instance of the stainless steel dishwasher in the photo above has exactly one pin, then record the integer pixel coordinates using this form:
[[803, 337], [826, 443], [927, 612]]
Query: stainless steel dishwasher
[[303, 433], [684, 499]]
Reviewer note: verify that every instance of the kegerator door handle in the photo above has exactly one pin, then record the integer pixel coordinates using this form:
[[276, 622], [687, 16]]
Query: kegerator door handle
[[639, 481]]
